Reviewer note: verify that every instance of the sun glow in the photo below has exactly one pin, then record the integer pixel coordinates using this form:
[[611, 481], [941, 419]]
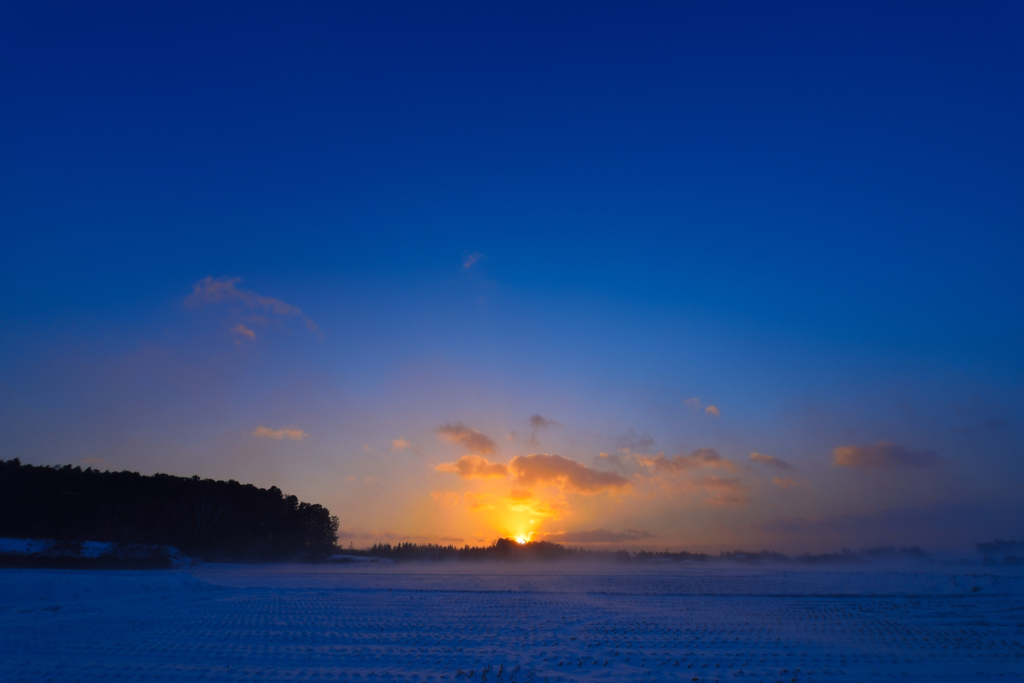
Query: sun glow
[[521, 540]]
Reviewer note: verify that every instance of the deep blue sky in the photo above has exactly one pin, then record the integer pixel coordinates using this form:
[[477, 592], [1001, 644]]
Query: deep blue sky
[[807, 215]]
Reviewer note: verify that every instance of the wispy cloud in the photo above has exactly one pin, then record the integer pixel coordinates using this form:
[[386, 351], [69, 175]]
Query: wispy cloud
[[243, 331], [472, 440], [223, 290], [570, 475], [446, 499], [614, 459], [702, 457], [725, 490], [538, 421], [474, 467], [469, 259], [478, 501], [987, 425], [770, 461], [293, 433], [684, 474], [631, 441], [882, 456], [599, 536], [695, 404], [451, 539], [932, 523], [399, 444]]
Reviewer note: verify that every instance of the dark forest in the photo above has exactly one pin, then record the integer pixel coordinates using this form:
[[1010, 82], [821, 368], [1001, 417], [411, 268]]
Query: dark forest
[[204, 518]]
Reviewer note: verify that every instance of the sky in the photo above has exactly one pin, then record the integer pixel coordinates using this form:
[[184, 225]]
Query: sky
[[615, 275]]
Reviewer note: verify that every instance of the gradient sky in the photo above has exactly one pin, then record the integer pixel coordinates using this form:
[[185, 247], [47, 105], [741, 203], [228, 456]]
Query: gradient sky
[[752, 273]]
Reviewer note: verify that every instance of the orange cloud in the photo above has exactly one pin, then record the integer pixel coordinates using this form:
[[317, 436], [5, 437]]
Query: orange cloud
[[399, 444], [673, 478], [702, 457], [293, 433], [882, 456], [478, 501], [211, 290], [725, 490], [712, 410], [770, 461], [446, 500], [568, 474], [693, 403], [470, 439], [474, 467], [534, 506]]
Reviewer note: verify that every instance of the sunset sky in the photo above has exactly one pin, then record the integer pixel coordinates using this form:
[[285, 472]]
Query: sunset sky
[[634, 276]]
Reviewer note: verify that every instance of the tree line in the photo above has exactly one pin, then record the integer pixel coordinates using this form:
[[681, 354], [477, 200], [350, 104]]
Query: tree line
[[507, 549], [205, 518], [501, 549]]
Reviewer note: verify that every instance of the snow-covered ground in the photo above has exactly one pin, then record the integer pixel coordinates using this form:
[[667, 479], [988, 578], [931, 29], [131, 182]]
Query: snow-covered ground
[[35, 547], [499, 622]]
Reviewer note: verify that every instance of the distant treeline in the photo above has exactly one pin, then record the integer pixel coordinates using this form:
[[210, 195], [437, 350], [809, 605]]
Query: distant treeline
[[1002, 552], [212, 520], [845, 557], [507, 549], [502, 549], [999, 547]]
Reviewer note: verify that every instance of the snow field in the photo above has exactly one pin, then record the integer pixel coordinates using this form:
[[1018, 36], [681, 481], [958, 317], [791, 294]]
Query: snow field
[[509, 623]]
